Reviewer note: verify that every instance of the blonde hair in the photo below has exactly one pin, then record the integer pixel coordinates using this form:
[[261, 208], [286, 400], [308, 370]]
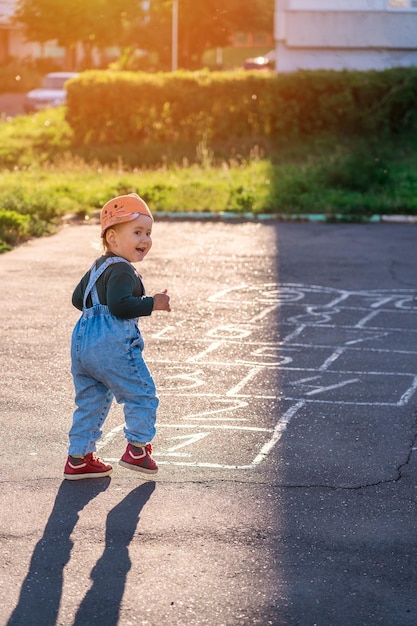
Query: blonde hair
[[104, 243]]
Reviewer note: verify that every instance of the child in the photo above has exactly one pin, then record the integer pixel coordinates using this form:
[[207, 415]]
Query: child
[[106, 347]]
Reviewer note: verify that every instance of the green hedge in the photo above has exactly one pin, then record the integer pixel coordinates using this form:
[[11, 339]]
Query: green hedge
[[106, 107], [14, 228]]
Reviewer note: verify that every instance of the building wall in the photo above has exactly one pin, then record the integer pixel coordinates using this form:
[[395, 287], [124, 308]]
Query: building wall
[[18, 47], [351, 34]]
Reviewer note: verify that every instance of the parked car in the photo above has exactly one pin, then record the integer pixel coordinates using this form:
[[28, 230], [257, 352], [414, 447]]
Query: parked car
[[51, 94], [265, 62]]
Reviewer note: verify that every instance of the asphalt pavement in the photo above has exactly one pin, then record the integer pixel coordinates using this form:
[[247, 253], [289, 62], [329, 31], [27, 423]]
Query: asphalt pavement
[[287, 376]]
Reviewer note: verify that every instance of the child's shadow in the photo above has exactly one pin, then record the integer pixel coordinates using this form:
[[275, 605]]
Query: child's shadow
[[41, 591], [101, 604]]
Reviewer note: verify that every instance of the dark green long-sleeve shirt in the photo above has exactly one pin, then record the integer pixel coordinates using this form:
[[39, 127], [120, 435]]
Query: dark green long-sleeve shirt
[[120, 288]]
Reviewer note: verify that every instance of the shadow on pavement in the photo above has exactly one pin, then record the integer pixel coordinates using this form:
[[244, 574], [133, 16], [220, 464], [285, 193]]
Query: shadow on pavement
[[346, 544], [101, 604], [41, 591]]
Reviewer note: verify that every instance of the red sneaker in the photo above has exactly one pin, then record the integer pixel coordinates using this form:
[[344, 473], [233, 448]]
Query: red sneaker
[[139, 459], [90, 467]]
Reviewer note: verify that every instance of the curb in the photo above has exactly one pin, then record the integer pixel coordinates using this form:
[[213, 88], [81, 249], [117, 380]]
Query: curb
[[227, 216], [281, 217]]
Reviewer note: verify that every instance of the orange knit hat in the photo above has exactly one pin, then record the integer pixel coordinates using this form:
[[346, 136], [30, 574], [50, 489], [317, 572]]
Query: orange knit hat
[[122, 209]]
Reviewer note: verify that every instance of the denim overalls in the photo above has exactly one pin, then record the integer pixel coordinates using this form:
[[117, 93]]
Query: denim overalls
[[107, 362]]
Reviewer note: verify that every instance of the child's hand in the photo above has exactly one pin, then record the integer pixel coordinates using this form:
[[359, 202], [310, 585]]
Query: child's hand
[[161, 302]]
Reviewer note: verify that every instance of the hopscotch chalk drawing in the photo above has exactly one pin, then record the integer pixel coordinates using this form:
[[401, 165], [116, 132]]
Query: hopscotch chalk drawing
[[293, 347]]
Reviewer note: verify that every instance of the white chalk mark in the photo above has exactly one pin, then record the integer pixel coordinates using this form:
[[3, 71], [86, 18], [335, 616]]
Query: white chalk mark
[[165, 331], [187, 440], [273, 351], [232, 405], [401, 304], [176, 454], [370, 337], [294, 334], [382, 302], [364, 321], [342, 402], [320, 389], [330, 387], [255, 429], [338, 300], [229, 332], [277, 434], [218, 297], [260, 316], [191, 380], [203, 465], [332, 358], [250, 376], [313, 315], [111, 435], [410, 392], [211, 348]]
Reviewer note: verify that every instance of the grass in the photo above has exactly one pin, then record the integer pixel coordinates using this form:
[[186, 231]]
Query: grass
[[72, 186], [43, 177]]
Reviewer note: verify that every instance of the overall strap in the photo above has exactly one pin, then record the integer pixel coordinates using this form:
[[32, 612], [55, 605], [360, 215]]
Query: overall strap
[[95, 275]]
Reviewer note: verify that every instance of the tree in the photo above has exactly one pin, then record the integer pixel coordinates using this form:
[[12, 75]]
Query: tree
[[35, 18], [127, 24], [92, 23], [203, 24]]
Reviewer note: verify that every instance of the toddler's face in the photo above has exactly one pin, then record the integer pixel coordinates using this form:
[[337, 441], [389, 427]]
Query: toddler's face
[[131, 240]]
